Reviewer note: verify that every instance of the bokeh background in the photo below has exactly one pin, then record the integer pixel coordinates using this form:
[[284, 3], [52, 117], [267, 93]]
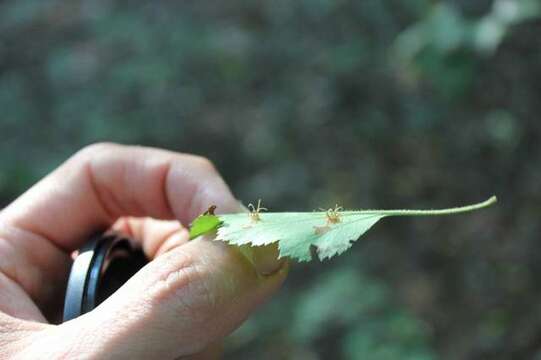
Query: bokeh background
[[305, 104]]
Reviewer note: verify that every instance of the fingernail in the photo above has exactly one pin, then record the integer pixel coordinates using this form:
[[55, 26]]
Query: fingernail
[[265, 259]]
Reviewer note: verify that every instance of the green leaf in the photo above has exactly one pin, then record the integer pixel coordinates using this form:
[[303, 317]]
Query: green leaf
[[300, 234], [204, 224]]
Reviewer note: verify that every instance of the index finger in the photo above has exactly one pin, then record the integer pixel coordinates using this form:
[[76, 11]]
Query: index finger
[[106, 181]]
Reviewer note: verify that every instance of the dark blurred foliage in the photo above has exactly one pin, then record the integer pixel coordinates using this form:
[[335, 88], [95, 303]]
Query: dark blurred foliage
[[374, 104]]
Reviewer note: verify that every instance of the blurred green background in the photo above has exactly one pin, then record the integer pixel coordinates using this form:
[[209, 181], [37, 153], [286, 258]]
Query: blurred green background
[[369, 104]]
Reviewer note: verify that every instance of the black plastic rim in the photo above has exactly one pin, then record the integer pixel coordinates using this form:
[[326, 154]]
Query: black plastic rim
[[86, 287]]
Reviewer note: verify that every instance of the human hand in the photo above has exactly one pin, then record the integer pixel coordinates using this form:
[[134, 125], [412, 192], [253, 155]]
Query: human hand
[[180, 305]]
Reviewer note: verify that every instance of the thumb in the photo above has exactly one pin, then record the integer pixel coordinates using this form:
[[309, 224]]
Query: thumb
[[178, 304]]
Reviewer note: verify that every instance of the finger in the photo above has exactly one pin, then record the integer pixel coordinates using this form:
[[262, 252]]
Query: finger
[[90, 192], [180, 303], [154, 236], [34, 272], [159, 236], [14, 301], [18, 336], [104, 182]]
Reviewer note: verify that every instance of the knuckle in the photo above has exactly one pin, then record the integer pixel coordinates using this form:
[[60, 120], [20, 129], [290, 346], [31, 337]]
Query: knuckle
[[96, 149], [187, 290], [204, 164]]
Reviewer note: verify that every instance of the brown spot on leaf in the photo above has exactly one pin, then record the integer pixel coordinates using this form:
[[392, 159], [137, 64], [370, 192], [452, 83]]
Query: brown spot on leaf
[[320, 230]]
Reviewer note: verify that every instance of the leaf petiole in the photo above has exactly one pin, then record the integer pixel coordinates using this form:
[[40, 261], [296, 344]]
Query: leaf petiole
[[449, 211]]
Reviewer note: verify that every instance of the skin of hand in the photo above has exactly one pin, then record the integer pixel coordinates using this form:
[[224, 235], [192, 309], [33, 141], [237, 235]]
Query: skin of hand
[[180, 305]]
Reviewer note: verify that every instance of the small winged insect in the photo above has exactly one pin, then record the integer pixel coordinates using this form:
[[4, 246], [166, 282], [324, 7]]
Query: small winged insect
[[333, 215], [333, 218], [210, 210], [255, 211]]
